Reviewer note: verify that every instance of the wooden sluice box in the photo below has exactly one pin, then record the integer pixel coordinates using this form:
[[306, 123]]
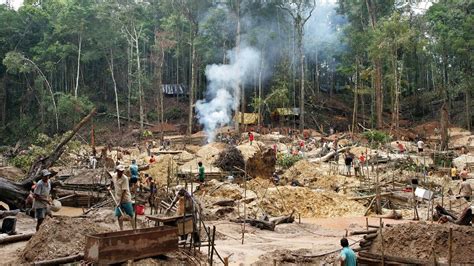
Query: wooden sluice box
[[114, 247]]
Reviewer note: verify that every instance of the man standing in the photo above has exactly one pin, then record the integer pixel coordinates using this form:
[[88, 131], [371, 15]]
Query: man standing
[[347, 256], [201, 172], [251, 138], [123, 197], [348, 162], [41, 197], [134, 175], [454, 173], [420, 144], [465, 190]]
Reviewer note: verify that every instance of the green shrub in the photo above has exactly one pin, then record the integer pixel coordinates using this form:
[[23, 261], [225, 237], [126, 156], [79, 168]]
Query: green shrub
[[375, 136], [287, 160], [173, 114]]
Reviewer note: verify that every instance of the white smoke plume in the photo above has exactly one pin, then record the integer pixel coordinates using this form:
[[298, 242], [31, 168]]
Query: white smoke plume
[[223, 95]]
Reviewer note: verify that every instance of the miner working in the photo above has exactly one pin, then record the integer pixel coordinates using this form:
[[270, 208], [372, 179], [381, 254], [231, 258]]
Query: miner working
[[134, 172], [123, 196], [41, 197], [347, 255]]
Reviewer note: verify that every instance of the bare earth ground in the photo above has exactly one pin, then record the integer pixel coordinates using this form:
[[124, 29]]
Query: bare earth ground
[[316, 236]]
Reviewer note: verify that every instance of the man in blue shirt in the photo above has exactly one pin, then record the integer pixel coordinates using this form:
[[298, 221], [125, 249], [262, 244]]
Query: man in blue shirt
[[134, 175], [347, 256]]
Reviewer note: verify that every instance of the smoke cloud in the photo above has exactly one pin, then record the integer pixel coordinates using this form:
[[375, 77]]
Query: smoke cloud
[[223, 94]]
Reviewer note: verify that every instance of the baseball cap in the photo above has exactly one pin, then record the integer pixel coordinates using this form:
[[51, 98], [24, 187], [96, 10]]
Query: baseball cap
[[120, 168]]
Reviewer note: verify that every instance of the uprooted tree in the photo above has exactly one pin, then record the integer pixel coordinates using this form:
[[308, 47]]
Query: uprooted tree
[[14, 193]]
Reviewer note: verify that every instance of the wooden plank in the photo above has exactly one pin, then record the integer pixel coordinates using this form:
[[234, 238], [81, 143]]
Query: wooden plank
[[115, 247], [391, 258]]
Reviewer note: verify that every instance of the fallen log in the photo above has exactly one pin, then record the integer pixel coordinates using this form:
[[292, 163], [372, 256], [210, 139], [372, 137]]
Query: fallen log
[[257, 223], [15, 238], [370, 236], [224, 203], [358, 249], [58, 261], [391, 258], [328, 156], [4, 214], [283, 219], [365, 243], [48, 161], [14, 193], [364, 232]]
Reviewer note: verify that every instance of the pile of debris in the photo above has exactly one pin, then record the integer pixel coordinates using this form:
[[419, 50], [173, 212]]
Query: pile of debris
[[423, 241], [60, 237], [313, 176], [162, 168], [308, 203]]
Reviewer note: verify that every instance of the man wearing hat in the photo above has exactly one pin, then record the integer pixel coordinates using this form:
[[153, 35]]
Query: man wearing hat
[[41, 197], [123, 196]]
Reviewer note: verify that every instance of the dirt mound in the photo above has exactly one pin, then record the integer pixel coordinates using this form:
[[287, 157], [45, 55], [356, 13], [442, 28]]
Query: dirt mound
[[230, 158], [419, 241], [214, 191], [248, 151], [159, 169], [211, 151], [309, 203], [59, 237], [309, 174], [183, 157]]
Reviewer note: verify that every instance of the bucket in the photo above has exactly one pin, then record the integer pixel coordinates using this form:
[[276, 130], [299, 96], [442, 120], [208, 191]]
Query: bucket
[[140, 209], [56, 206]]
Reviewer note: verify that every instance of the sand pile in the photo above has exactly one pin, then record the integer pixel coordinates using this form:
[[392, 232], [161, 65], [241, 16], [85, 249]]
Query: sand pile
[[183, 157], [248, 151], [417, 241], [309, 175], [159, 169], [308, 203], [59, 237], [215, 191], [461, 161], [210, 152]]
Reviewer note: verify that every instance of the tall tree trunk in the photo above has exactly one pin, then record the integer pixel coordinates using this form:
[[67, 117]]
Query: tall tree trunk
[[467, 96], [378, 71], [129, 79], [139, 76], [444, 126], [239, 91], [193, 85], [260, 91], [301, 63], [3, 99], [316, 78], [78, 66], [356, 90], [111, 68]]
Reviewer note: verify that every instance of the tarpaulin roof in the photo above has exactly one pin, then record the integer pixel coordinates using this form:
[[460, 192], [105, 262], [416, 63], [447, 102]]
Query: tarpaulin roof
[[249, 118], [174, 89], [287, 111]]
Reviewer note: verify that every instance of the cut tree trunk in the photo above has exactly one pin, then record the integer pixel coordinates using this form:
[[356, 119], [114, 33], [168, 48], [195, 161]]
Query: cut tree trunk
[[266, 225], [13, 193]]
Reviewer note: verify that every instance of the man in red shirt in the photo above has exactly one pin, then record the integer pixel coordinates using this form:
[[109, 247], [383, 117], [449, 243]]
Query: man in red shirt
[[251, 138]]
